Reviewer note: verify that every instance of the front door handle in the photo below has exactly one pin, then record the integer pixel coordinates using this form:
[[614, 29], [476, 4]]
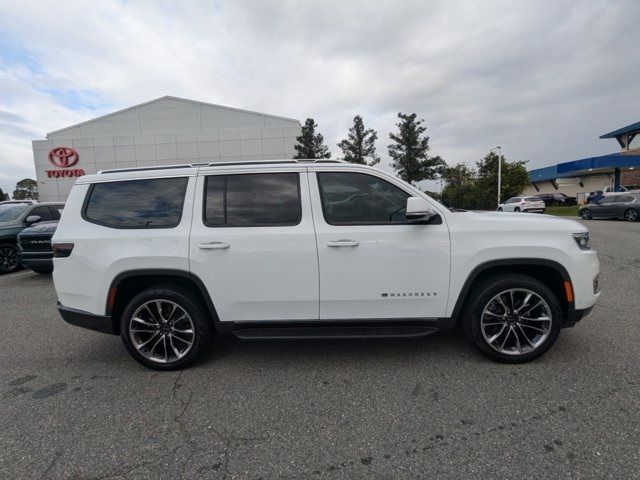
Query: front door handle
[[343, 243], [214, 245]]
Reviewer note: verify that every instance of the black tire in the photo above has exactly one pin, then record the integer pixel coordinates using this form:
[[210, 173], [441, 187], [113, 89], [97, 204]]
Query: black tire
[[585, 214], [480, 298], [517, 209], [631, 215], [189, 303], [9, 258], [499, 209]]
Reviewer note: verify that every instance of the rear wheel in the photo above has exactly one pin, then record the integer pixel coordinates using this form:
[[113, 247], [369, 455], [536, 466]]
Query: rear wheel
[[512, 318], [517, 209], [585, 214], [499, 209], [9, 261], [631, 215], [165, 328]]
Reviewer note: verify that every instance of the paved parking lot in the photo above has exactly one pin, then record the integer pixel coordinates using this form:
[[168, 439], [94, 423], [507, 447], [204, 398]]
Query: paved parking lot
[[74, 405]]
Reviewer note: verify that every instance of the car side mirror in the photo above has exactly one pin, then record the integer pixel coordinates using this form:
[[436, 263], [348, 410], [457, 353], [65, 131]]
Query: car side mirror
[[33, 219], [418, 209]]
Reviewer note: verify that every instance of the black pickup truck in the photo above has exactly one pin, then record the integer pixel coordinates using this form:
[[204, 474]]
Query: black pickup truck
[[34, 244]]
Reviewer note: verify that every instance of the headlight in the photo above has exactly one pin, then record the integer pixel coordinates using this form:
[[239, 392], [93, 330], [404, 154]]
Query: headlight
[[582, 239]]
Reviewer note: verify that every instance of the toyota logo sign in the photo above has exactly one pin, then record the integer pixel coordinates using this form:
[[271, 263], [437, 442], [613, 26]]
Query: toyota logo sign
[[63, 157]]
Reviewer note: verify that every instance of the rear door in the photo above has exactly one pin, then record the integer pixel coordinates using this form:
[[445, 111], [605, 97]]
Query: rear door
[[373, 264], [253, 243]]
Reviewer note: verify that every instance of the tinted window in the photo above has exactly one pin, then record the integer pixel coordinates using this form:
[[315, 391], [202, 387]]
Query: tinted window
[[256, 199], [358, 198], [624, 199], [57, 211], [153, 203], [606, 200], [11, 211], [43, 212], [532, 199]]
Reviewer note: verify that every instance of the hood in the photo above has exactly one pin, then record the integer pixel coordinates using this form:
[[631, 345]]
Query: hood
[[507, 221], [40, 228]]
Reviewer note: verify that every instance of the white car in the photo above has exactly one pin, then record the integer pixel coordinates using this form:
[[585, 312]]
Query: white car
[[523, 204], [165, 257]]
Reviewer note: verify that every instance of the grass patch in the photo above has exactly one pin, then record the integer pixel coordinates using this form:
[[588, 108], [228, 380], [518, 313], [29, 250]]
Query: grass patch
[[563, 211]]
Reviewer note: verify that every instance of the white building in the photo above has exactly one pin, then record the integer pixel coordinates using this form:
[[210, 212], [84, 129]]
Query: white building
[[164, 131]]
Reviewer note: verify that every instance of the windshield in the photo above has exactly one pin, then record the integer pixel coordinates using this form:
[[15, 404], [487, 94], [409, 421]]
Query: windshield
[[9, 212]]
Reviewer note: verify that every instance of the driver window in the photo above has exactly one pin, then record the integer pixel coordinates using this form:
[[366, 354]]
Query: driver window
[[360, 199]]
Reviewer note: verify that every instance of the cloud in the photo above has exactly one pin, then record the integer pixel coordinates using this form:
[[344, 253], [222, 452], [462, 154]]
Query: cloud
[[541, 79]]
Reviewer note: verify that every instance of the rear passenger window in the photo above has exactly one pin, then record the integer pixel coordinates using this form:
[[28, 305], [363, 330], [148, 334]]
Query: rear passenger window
[[152, 203], [255, 199]]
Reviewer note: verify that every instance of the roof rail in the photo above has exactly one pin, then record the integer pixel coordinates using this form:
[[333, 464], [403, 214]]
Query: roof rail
[[221, 164]]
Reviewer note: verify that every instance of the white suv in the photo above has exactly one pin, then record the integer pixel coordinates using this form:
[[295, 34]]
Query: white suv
[[523, 204], [168, 256]]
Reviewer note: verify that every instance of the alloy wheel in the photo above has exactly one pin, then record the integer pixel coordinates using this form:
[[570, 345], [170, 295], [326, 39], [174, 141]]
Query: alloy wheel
[[585, 214], [516, 321], [8, 259], [631, 215], [162, 331]]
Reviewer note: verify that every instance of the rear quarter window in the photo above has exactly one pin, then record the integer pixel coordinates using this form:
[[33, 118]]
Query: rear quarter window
[[145, 203]]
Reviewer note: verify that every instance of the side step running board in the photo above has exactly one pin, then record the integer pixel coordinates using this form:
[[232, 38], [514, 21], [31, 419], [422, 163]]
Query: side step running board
[[333, 331]]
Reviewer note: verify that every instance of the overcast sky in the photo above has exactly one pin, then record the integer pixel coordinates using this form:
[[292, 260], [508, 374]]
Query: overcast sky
[[543, 79]]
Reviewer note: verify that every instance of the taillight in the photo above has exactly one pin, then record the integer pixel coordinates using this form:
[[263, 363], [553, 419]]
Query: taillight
[[62, 250]]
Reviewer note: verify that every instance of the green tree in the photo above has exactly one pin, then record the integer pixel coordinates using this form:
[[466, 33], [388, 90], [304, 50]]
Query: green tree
[[311, 144], [26, 189], [477, 189], [514, 179], [409, 152], [3, 196], [359, 146], [460, 188]]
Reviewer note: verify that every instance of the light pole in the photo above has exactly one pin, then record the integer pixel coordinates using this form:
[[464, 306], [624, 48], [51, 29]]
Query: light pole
[[499, 149]]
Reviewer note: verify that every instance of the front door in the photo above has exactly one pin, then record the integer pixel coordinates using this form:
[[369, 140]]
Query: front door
[[605, 207], [253, 244], [373, 264]]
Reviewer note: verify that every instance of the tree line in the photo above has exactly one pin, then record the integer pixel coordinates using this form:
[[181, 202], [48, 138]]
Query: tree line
[[464, 187], [408, 150]]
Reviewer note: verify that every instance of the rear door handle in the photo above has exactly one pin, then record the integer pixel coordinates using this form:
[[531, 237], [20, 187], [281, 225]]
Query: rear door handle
[[343, 243], [214, 245]]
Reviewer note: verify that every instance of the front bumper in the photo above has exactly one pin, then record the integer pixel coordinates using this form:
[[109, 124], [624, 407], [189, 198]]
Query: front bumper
[[42, 260], [574, 316], [91, 321]]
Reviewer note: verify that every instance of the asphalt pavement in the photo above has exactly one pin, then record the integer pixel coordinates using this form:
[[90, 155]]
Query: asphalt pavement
[[75, 405]]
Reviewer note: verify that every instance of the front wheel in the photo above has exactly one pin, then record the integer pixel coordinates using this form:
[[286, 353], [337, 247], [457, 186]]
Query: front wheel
[[9, 261], [631, 215], [585, 214], [165, 327], [517, 209], [512, 318]]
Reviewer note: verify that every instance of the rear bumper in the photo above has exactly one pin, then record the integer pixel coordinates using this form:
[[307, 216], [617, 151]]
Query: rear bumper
[[91, 321]]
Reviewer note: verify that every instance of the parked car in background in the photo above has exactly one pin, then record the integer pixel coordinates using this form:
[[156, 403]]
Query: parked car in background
[[15, 217], [557, 199], [28, 202], [625, 206], [34, 244], [595, 197], [626, 189], [522, 204]]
